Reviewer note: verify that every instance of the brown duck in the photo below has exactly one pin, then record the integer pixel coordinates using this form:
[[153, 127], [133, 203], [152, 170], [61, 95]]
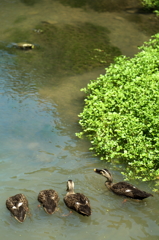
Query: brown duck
[[49, 200], [122, 188], [18, 206], [77, 201]]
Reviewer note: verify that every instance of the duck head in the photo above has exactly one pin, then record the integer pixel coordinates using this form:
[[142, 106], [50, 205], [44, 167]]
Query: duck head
[[105, 173], [70, 186]]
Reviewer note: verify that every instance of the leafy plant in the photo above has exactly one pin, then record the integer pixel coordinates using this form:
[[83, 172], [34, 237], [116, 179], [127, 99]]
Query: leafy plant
[[157, 13], [121, 112], [151, 3]]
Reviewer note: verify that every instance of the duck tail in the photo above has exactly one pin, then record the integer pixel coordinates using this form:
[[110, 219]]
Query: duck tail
[[85, 210]]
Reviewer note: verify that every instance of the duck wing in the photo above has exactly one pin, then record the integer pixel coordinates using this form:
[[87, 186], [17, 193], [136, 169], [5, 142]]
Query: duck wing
[[128, 190], [78, 202], [19, 200]]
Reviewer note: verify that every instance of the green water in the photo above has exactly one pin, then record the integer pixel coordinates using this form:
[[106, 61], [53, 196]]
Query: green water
[[39, 149]]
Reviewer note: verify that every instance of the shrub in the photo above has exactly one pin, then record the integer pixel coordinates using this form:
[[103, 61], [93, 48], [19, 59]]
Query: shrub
[[151, 3], [121, 112]]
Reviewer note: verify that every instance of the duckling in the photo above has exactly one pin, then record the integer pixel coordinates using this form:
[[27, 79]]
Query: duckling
[[18, 206], [49, 200], [77, 201], [122, 188]]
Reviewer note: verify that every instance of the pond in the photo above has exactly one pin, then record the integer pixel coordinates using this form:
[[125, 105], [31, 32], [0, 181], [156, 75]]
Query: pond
[[40, 101]]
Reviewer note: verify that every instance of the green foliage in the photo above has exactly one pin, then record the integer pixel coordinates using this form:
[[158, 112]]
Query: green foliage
[[157, 13], [151, 3], [121, 112]]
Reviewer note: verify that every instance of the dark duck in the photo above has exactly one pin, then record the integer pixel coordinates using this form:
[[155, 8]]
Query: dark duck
[[77, 201], [18, 206], [122, 188], [49, 200]]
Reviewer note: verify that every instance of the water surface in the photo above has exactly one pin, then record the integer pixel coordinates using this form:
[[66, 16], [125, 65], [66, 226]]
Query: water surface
[[39, 149]]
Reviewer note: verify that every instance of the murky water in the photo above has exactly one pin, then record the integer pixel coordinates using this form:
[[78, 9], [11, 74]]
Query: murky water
[[39, 149]]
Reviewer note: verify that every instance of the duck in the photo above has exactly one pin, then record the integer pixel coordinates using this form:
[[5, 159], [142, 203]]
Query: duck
[[18, 206], [23, 45], [49, 200], [77, 201], [122, 188]]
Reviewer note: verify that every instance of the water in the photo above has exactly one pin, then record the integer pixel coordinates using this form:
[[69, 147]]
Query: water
[[39, 149]]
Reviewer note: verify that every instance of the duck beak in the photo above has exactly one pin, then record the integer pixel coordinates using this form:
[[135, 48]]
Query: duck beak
[[97, 170]]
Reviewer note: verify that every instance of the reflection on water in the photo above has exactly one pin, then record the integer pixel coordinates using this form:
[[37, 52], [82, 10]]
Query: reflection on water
[[99, 5], [39, 149]]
